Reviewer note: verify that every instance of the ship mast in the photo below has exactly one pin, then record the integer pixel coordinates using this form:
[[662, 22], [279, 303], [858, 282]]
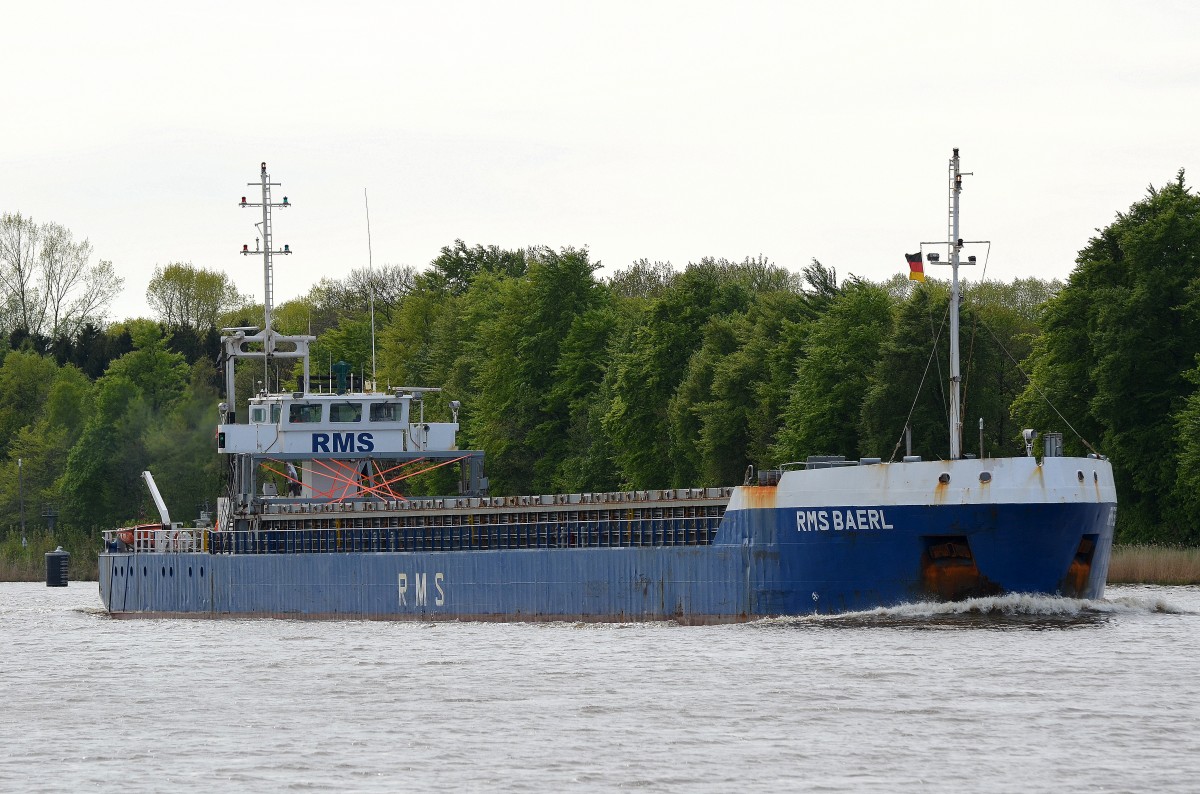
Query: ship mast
[[265, 343], [955, 245], [955, 242], [267, 252]]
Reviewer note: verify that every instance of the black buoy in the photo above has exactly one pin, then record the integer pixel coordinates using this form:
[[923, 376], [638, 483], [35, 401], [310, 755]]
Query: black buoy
[[56, 567]]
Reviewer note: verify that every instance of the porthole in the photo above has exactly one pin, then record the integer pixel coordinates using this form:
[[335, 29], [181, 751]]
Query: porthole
[[145, 571], [164, 570], [944, 477], [1079, 474], [202, 570], [985, 476], [1095, 477], [171, 570], [189, 570]]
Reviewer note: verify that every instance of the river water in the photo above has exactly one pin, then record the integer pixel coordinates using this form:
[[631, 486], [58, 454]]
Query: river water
[[1005, 694]]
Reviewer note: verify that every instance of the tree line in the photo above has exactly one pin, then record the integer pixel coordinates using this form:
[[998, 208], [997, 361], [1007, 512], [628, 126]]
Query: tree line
[[652, 376]]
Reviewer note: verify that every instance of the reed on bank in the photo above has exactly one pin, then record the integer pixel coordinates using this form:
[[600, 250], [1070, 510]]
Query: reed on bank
[[27, 562], [1154, 565]]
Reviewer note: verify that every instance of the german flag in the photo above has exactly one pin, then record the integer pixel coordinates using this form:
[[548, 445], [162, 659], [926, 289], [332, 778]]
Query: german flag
[[916, 270]]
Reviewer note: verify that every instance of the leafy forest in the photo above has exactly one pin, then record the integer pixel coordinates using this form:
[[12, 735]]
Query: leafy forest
[[650, 377]]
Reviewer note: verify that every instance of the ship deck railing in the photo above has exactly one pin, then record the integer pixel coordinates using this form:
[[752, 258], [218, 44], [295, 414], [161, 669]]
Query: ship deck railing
[[678, 525], [283, 504], [826, 462]]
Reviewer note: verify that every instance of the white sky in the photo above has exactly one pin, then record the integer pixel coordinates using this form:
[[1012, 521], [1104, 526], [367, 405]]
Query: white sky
[[665, 130]]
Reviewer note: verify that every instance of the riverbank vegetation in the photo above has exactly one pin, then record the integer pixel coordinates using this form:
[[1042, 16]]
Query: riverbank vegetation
[[651, 376], [1167, 565], [27, 563]]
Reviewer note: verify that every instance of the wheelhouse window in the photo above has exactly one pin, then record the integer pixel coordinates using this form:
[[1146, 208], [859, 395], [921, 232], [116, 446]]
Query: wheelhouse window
[[345, 412], [258, 414], [275, 412], [385, 412], [304, 412]]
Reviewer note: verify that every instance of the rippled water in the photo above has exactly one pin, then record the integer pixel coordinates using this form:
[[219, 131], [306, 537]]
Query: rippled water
[[1005, 694]]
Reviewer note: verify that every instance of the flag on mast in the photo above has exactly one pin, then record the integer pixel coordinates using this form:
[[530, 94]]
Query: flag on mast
[[916, 270]]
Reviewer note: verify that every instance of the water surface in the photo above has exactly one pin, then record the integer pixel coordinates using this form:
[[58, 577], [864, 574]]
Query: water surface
[[1004, 694]]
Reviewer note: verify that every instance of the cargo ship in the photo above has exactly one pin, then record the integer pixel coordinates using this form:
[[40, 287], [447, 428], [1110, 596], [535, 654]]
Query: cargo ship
[[825, 535]]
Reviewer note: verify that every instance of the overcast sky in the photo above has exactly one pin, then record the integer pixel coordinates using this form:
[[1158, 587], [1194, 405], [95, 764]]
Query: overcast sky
[[664, 130]]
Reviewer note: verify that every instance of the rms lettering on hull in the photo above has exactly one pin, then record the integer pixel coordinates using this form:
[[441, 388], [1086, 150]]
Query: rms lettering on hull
[[841, 520], [419, 590], [343, 442]]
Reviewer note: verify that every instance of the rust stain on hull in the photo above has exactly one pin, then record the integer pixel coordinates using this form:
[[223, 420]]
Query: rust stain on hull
[[762, 496], [1074, 584], [949, 572]]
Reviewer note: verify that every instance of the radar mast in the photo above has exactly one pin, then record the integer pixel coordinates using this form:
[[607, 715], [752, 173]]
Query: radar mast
[[251, 342]]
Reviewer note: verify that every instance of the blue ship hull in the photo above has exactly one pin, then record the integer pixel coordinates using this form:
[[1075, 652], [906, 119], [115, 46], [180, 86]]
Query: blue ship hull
[[836, 536], [776, 552]]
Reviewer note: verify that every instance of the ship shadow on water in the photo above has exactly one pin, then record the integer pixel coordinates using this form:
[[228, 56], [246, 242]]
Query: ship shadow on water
[[1012, 612]]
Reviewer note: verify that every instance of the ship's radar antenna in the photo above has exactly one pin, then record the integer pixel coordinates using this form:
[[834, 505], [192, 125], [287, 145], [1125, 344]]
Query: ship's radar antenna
[[370, 285]]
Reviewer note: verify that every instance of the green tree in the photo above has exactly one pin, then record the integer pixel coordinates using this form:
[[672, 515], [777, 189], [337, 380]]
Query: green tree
[[649, 430], [999, 331], [727, 410], [456, 267], [708, 413], [430, 336], [650, 363], [908, 382], [577, 393], [642, 279], [159, 375], [41, 447], [183, 294], [25, 382], [823, 412], [100, 484], [349, 341], [182, 452], [425, 336], [1116, 348], [517, 412]]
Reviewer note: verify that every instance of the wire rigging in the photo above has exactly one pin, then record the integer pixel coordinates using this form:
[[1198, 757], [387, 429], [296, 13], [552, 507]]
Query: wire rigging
[[912, 409]]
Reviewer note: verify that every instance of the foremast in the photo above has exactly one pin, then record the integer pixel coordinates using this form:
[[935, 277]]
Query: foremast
[[954, 243]]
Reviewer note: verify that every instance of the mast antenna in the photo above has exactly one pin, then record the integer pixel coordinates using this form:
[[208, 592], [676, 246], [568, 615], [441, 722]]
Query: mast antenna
[[370, 284]]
